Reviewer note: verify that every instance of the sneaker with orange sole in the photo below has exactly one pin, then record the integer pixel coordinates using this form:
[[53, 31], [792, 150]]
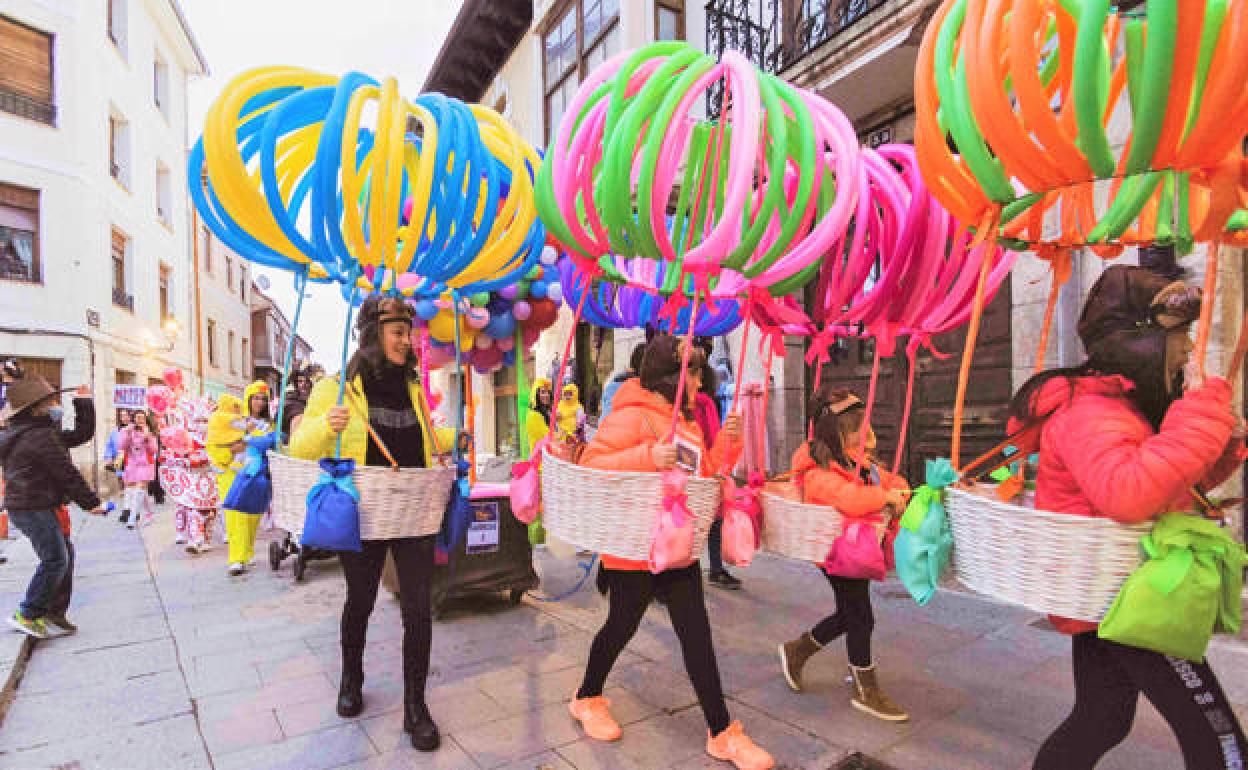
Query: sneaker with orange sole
[[594, 714], [733, 745]]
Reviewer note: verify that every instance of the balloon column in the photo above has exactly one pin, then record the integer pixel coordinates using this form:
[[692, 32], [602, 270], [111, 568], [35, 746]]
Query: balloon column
[[1015, 99], [756, 198], [489, 320]]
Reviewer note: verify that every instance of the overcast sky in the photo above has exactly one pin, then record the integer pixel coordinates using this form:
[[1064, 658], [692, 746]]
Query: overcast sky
[[398, 38]]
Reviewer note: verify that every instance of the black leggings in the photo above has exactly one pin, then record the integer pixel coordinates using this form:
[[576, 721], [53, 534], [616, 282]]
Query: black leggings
[[630, 592], [853, 618], [1109, 678], [413, 561]]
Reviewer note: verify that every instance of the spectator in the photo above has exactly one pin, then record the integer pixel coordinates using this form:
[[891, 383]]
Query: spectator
[[39, 476], [115, 459], [634, 365]]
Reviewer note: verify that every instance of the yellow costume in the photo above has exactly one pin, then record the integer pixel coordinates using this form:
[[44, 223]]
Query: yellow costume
[[536, 426], [570, 413]]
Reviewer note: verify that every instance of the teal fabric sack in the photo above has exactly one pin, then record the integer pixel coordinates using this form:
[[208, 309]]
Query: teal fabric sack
[[1188, 589], [924, 542]]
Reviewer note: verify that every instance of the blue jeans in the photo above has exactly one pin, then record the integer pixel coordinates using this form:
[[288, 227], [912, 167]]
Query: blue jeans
[[44, 532]]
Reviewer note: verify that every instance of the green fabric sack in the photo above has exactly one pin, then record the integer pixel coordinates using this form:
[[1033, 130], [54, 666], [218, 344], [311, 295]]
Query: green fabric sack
[[1188, 589], [537, 533]]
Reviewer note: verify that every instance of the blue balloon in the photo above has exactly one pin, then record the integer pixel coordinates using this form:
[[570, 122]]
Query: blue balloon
[[501, 326], [537, 290], [426, 309], [509, 358]]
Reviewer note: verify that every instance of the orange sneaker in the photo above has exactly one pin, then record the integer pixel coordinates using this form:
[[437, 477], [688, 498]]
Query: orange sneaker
[[733, 745], [594, 714]]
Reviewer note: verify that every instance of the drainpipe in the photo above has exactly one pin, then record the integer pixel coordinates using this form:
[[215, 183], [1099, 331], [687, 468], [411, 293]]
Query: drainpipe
[[95, 446]]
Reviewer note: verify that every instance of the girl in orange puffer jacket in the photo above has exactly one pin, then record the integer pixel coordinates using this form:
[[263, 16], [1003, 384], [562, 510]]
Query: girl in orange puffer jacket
[[633, 438], [834, 469], [1122, 437]]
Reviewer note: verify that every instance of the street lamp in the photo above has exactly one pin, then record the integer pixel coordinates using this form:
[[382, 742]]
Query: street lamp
[[169, 330]]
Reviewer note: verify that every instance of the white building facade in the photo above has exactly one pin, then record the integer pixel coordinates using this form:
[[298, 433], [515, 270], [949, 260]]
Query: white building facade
[[95, 233]]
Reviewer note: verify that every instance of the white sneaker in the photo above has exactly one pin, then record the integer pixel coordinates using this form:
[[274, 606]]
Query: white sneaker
[[237, 568], [179, 540]]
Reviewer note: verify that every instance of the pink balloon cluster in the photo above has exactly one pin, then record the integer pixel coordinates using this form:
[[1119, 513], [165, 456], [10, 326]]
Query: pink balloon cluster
[[909, 268]]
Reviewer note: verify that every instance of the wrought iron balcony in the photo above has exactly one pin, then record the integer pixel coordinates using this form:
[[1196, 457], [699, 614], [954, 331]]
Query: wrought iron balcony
[[774, 34]]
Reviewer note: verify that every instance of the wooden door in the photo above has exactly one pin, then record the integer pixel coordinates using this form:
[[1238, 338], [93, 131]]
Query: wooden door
[[930, 432]]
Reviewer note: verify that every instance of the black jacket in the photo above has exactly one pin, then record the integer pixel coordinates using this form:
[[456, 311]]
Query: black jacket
[[38, 472]]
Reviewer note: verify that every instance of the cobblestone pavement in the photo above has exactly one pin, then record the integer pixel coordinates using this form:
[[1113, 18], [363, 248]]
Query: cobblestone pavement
[[177, 665]]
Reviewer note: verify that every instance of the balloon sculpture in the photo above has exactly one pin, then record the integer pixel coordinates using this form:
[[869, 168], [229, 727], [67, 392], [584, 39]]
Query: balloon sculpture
[[757, 204], [343, 179], [1014, 104], [1015, 99]]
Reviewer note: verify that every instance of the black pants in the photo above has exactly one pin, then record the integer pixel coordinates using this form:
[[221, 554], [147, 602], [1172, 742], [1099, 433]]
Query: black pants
[[715, 545], [853, 618], [413, 562], [59, 604], [1109, 678], [630, 593]]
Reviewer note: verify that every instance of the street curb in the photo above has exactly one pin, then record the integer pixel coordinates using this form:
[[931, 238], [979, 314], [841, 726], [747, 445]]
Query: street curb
[[9, 691]]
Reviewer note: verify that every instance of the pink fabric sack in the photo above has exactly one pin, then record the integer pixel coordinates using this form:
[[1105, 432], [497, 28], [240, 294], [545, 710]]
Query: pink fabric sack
[[671, 536], [742, 512], [857, 553], [526, 485]]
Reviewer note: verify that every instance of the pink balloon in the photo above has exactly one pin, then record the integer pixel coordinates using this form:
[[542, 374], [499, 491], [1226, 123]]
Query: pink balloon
[[505, 344], [407, 280], [478, 317], [521, 310], [173, 377], [484, 341]]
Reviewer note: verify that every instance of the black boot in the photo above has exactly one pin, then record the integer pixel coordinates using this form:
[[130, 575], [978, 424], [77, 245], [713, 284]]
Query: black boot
[[419, 724], [350, 697]]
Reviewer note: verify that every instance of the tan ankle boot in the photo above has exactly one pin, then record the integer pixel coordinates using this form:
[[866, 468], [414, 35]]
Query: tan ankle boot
[[870, 698], [793, 657]]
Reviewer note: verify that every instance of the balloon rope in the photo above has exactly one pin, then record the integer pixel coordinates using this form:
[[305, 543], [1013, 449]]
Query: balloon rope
[[745, 339], [424, 372], [1207, 301], [557, 385], [342, 366], [911, 359], [471, 409], [684, 364], [301, 282], [987, 226], [866, 417], [522, 397], [459, 369]]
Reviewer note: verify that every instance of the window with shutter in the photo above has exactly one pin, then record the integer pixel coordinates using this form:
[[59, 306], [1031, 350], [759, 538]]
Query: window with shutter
[[26, 86], [120, 245], [19, 234]]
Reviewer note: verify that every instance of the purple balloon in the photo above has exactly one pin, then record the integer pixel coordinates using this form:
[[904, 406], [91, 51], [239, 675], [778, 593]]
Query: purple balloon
[[509, 292]]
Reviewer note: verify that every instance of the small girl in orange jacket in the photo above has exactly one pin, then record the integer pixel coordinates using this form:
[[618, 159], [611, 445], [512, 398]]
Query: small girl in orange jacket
[[835, 469]]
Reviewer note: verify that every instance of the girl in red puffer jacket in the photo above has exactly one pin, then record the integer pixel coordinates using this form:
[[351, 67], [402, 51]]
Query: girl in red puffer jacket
[[1124, 437]]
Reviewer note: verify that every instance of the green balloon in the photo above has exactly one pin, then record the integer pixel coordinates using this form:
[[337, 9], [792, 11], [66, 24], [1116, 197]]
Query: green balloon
[[1157, 71], [480, 299], [1091, 76]]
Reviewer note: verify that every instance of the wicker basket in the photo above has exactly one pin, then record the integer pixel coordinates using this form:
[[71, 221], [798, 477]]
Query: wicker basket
[[612, 512], [1055, 563], [800, 530], [409, 502]]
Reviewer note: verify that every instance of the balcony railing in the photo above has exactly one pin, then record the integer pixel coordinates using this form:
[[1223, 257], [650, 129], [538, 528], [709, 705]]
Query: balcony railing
[[25, 107], [774, 34], [123, 300]]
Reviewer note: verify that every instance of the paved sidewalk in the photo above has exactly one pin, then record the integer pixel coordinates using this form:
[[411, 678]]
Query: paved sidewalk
[[179, 666]]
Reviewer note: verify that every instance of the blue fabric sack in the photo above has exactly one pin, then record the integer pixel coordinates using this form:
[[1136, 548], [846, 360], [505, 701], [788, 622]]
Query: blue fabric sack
[[333, 518], [252, 490], [924, 542], [458, 513]]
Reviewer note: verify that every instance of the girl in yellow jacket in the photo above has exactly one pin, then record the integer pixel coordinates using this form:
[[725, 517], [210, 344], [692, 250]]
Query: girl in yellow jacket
[[381, 388]]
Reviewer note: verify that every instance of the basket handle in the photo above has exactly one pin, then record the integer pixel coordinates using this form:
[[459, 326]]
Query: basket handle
[[351, 404]]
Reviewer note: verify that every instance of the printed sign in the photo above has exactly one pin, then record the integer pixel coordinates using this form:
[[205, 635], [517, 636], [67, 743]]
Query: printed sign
[[688, 455], [483, 528], [129, 397]]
